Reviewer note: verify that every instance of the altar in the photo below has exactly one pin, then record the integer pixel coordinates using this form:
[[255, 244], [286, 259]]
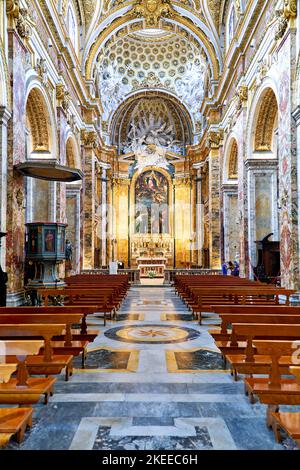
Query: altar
[[156, 266]]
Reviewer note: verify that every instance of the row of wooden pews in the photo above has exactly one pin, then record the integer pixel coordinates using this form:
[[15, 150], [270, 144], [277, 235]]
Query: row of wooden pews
[[104, 293], [260, 343], [200, 293], [38, 343], [258, 337]]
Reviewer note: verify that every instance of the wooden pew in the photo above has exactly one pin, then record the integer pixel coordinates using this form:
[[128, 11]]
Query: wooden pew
[[240, 354], [289, 421], [103, 302], [84, 310], [223, 334], [274, 391], [257, 309], [204, 299], [14, 422], [48, 364], [24, 390]]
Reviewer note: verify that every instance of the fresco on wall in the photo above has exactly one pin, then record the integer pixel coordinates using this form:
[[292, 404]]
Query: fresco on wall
[[151, 200]]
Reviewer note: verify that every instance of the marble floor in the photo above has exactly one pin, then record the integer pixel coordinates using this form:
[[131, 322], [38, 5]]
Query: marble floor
[[153, 380]]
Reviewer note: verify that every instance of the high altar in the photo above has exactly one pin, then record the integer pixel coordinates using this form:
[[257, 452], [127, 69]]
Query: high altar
[[152, 222]]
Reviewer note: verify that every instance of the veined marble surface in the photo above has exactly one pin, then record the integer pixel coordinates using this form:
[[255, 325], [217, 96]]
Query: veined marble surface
[[150, 395]]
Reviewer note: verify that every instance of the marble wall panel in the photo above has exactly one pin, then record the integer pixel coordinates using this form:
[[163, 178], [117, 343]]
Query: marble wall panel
[[287, 166], [263, 206], [41, 196], [16, 154], [214, 209], [239, 130], [231, 229]]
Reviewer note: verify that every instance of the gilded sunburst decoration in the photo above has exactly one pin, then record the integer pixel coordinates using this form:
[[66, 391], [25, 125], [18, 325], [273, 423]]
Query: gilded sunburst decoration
[[152, 11]]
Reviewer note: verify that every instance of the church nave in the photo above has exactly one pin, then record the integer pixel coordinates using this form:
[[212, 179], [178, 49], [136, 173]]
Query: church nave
[[156, 402]]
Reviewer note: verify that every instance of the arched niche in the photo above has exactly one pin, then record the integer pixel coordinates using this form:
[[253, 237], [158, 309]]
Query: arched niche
[[39, 122], [262, 169], [161, 106], [232, 168], [266, 123], [72, 153], [230, 200], [41, 144]]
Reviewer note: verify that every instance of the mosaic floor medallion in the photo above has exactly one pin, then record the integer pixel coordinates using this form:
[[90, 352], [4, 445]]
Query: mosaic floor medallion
[[157, 334]]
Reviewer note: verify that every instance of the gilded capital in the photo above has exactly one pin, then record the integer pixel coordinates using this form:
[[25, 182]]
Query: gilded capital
[[214, 139], [13, 8], [290, 9], [89, 138]]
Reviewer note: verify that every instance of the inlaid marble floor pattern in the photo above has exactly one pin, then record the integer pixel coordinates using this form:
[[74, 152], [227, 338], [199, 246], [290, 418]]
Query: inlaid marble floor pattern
[[154, 380]]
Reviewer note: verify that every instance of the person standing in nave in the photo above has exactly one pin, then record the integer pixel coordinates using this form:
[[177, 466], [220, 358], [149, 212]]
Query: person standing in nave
[[230, 267], [236, 270], [224, 269]]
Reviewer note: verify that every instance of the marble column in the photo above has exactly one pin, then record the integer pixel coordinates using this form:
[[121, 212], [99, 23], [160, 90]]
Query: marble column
[[194, 250], [182, 221], [89, 208], [15, 248], [287, 155], [5, 115], [296, 116], [239, 130], [214, 200], [104, 218], [110, 219], [230, 218], [121, 214], [61, 187], [98, 217], [73, 221], [199, 216]]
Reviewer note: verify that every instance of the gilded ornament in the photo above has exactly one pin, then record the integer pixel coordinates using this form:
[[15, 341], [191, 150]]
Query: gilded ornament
[[24, 24], [290, 9], [42, 70], [242, 96], [62, 96], [13, 8], [19, 198], [89, 138], [281, 25], [214, 139], [152, 11]]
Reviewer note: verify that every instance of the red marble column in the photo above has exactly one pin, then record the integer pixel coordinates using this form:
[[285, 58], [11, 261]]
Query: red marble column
[[16, 154]]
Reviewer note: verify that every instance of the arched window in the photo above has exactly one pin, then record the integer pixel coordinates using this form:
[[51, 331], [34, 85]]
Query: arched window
[[72, 26], [231, 21]]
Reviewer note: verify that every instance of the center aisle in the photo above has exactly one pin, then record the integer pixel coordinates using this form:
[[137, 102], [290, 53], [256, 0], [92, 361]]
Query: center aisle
[[154, 380]]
